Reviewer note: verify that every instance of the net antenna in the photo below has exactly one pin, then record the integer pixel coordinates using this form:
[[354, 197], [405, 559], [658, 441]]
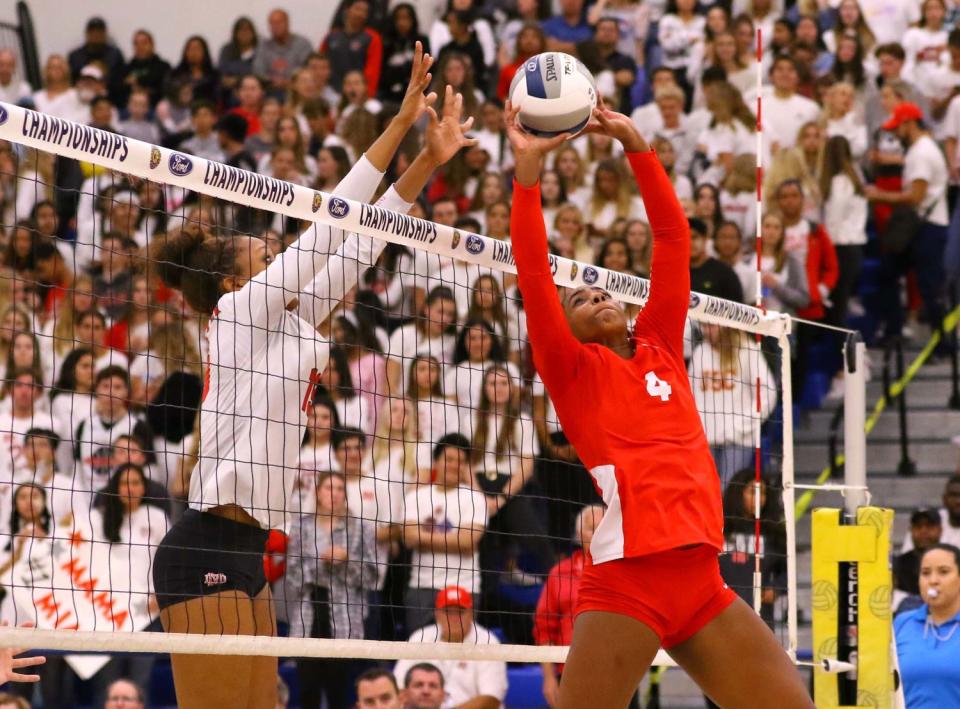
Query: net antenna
[[162, 165]]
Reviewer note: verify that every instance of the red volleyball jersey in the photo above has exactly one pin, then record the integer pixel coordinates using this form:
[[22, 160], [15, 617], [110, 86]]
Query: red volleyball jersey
[[633, 422]]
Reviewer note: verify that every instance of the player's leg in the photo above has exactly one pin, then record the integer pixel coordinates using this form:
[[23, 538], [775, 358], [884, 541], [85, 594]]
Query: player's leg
[[204, 681], [263, 680], [738, 662], [609, 655]]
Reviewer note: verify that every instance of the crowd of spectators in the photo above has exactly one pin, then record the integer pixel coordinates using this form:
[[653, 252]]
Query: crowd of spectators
[[435, 482]]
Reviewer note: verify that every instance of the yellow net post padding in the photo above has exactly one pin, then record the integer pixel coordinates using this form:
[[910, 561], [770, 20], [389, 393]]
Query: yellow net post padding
[[867, 544]]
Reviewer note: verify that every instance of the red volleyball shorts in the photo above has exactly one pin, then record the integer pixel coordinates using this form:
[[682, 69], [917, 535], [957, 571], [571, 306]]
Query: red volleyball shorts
[[675, 592]]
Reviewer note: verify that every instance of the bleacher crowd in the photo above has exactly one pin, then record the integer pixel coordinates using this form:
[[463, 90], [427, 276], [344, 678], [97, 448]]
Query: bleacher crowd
[[433, 466]]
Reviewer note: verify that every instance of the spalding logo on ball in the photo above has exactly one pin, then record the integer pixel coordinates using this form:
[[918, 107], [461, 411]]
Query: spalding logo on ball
[[555, 93]]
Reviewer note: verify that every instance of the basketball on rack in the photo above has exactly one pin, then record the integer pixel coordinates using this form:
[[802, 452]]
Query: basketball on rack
[[556, 94]]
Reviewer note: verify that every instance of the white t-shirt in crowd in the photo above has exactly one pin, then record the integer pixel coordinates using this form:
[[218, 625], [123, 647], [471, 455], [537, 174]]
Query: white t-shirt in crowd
[[681, 41], [15, 91], [66, 105], [924, 161], [525, 443], [464, 382], [604, 217], [727, 398], [741, 208], [144, 527], [12, 430], [406, 343], [734, 138], [537, 388], [445, 510], [951, 124], [462, 681], [854, 130], [845, 213], [888, 19], [783, 117], [380, 504], [924, 51]]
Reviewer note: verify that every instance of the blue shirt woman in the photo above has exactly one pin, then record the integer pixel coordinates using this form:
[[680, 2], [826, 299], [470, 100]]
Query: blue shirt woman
[[928, 638]]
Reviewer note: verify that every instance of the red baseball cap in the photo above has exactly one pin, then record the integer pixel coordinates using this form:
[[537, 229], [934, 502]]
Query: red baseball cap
[[454, 596], [903, 112]]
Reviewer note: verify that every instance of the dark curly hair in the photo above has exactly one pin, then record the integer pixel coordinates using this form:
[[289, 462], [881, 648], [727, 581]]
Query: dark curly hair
[[195, 263]]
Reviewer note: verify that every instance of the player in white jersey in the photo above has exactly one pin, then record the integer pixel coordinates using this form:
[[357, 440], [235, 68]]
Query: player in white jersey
[[262, 367]]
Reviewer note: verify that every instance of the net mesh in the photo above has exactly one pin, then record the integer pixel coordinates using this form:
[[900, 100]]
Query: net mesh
[[106, 370]]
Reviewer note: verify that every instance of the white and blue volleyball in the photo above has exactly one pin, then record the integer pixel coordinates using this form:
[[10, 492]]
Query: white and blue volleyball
[[556, 94]]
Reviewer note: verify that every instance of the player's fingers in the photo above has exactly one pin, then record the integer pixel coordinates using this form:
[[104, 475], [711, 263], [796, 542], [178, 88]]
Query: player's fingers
[[448, 100], [556, 141], [21, 662], [466, 125], [470, 142], [17, 677], [432, 115], [430, 98]]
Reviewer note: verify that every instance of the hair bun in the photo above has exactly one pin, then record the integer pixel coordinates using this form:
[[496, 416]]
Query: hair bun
[[176, 254]]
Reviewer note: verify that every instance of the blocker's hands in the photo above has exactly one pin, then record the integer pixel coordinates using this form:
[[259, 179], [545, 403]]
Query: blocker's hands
[[10, 663], [617, 126], [446, 136], [415, 102]]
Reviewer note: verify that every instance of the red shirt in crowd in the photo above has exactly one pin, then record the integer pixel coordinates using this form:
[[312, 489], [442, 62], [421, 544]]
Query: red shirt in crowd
[[633, 422], [553, 619], [252, 118]]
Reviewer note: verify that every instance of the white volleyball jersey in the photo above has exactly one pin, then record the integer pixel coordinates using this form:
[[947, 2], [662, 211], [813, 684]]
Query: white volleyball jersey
[[263, 365]]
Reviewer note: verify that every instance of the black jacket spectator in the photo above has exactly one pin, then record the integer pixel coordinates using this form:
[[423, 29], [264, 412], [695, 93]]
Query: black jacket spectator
[[145, 70], [600, 54], [716, 278], [465, 42], [196, 68], [356, 47], [399, 40], [97, 48]]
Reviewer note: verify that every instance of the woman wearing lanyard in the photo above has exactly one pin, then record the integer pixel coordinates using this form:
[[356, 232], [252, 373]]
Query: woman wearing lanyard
[[928, 638]]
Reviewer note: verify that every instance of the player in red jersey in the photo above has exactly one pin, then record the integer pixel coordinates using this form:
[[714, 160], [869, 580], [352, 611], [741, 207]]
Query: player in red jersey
[[652, 578]]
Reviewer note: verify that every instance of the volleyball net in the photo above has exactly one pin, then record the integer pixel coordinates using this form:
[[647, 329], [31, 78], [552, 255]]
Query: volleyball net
[[105, 377]]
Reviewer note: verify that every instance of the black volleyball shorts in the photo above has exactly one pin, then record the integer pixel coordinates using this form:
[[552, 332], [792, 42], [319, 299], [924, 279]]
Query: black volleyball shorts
[[204, 554]]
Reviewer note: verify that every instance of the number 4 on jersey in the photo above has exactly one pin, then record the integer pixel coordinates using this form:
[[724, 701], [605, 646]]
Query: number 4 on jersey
[[657, 387]]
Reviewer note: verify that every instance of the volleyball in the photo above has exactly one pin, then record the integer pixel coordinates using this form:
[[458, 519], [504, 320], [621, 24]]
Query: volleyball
[[556, 94]]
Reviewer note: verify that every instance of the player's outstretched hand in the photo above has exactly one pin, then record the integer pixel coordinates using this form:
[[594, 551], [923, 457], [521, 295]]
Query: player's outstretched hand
[[10, 663], [446, 135], [528, 149], [617, 126], [415, 102], [525, 143]]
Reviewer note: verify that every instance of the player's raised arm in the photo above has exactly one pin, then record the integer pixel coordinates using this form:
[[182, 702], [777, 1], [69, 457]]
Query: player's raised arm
[[554, 346], [444, 138], [266, 295], [666, 309]]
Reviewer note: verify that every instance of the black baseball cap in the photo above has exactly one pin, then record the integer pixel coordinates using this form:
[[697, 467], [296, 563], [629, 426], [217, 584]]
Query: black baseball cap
[[96, 23], [926, 514]]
